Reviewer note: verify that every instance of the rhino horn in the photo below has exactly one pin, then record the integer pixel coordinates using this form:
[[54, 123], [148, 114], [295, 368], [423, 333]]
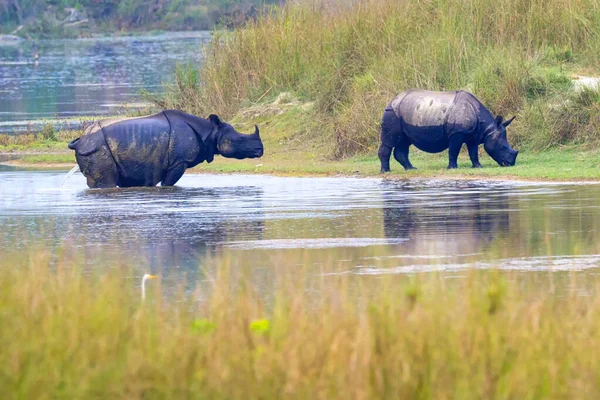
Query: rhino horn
[[256, 132]]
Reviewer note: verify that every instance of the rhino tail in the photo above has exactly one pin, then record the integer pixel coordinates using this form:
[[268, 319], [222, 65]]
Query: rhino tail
[[73, 144], [84, 146]]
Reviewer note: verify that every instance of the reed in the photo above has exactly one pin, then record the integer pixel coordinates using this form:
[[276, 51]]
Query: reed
[[70, 333]]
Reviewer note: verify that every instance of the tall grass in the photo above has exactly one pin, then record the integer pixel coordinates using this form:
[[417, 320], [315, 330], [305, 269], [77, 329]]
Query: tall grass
[[67, 334], [354, 57]]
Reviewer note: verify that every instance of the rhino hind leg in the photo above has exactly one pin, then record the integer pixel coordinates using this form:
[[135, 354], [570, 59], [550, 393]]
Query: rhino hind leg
[[393, 137], [401, 155], [99, 169], [384, 154]]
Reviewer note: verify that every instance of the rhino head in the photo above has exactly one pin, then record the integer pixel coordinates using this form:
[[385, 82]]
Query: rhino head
[[233, 144], [496, 144]]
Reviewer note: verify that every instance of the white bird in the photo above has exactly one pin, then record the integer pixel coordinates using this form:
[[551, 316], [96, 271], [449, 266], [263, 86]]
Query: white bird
[[144, 279]]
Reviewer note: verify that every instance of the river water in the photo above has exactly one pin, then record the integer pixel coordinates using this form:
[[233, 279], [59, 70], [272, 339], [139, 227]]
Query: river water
[[356, 227], [359, 227], [87, 77]]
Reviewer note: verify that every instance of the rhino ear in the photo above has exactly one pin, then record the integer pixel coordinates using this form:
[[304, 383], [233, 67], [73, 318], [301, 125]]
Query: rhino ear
[[507, 123], [498, 120], [214, 119]]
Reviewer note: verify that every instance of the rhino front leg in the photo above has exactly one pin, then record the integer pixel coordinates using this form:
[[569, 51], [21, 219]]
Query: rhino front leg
[[401, 155], [173, 175], [385, 152], [454, 146], [474, 154]]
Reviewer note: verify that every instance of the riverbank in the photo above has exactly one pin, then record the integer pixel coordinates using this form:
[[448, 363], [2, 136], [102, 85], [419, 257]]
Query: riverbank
[[566, 165], [295, 145], [294, 157]]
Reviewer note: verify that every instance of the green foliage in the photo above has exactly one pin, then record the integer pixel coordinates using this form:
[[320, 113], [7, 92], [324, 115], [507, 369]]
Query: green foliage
[[561, 120]]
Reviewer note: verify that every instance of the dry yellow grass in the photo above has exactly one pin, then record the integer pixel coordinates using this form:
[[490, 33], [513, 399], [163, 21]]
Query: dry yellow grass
[[69, 334]]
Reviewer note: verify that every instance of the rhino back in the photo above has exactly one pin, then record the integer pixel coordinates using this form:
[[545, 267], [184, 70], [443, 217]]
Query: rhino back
[[96, 126], [423, 114], [140, 148], [464, 116], [423, 108], [430, 118]]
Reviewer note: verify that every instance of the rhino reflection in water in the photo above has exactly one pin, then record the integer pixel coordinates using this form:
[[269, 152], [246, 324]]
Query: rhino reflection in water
[[178, 229], [470, 224], [157, 148], [436, 121]]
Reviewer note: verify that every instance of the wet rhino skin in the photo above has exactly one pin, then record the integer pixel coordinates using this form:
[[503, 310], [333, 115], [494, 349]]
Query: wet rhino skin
[[143, 151]]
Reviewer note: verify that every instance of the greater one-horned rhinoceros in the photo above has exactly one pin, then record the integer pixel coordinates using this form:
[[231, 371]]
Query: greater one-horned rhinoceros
[[436, 121], [157, 148]]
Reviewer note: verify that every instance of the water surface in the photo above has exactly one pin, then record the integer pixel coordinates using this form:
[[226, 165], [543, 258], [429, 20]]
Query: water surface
[[87, 77], [364, 227]]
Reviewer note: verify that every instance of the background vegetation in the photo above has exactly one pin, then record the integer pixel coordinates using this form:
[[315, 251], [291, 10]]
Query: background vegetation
[[351, 58], [43, 18]]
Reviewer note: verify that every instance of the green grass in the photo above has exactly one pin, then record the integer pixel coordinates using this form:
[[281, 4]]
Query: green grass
[[37, 145], [46, 140], [552, 165], [516, 56], [295, 146], [70, 334], [37, 150], [49, 159]]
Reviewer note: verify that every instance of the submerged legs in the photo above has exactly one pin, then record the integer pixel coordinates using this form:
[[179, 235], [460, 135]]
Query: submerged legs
[[173, 175]]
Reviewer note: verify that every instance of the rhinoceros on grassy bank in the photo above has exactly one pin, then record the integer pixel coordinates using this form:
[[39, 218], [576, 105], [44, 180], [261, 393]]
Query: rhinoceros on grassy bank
[[436, 121], [157, 148]]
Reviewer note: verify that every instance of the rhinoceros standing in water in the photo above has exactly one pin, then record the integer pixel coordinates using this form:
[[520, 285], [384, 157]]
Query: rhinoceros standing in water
[[157, 148], [436, 121]]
